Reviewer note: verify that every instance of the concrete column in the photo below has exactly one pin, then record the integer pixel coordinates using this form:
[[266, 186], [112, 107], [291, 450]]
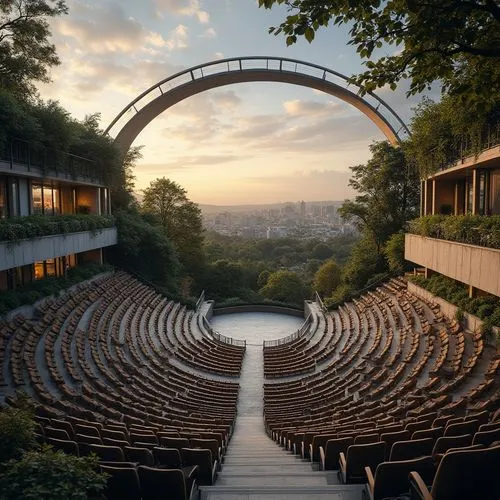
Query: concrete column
[[433, 207], [455, 199], [425, 197], [475, 197], [422, 211]]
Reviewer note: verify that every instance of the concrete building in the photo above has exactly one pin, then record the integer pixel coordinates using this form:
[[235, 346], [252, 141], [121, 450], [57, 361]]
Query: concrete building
[[31, 184], [469, 186]]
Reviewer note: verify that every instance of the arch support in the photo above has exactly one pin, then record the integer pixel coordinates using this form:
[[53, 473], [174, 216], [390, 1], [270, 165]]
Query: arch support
[[147, 106]]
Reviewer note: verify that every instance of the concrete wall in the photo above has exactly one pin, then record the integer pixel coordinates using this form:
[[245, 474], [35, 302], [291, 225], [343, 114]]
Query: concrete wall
[[470, 322], [258, 308], [470, 264], [14, 254]]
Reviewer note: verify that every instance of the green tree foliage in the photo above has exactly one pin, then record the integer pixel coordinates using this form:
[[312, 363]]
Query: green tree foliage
[[50, 475], [394, 252], [285, 286], [26, 53], [224, 278], [445, 131], [16, 433], [327, 278], [388, 188], [181, 219], [144, 248], [455, 42]]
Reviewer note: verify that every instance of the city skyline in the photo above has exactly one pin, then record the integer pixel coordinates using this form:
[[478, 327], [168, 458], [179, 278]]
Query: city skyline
[[243, 143]]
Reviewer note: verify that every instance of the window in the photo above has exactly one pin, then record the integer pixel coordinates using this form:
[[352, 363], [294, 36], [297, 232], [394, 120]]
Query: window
[[36, 190], [3, 198], [50, 267], [494, 199]]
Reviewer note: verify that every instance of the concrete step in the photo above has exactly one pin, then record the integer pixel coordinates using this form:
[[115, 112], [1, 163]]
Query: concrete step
[[270, 468], [260, 479], [339, 492], [267, 461]]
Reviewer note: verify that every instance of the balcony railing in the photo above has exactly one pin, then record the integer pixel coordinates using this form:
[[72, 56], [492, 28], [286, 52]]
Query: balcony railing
[[40, 159], [477, 230]]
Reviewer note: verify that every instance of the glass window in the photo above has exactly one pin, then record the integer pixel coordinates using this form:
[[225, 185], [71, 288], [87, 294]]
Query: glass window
[[48, 205], [39, 270], [3, 198], [36, 190], [494, 200], [56, 202], [50, 267]]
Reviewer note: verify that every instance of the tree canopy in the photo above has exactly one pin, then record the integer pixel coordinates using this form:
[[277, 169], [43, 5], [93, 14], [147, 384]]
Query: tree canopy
[[456, 42], [181, 219], [327, 278], [285, 286], [26, 53]]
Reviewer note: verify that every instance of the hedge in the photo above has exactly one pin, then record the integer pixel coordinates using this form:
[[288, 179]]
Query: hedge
[[33, 226], [471, 229]]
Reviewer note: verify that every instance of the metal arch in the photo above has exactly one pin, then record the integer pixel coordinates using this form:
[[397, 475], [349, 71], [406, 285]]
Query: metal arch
[[196, 79]]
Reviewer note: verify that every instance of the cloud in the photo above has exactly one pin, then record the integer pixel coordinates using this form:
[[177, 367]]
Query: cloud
[[209, 33], [178, 38], [185, 162], [298, 107], [191, 8]]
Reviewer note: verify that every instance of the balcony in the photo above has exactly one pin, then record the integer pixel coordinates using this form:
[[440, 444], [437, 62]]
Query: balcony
[[474, 265], [26, 251], [22, 158]]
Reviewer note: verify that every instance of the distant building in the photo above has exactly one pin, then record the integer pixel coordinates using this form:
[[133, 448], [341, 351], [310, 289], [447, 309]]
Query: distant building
[[276, 232]]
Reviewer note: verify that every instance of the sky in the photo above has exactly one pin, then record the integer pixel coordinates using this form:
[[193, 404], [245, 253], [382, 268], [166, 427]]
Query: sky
[[255, 142]]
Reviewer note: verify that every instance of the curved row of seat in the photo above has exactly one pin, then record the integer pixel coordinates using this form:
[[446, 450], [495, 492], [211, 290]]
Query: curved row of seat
[[396, 364]]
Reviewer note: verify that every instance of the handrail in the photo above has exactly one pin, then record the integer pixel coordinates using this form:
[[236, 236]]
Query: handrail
[[240, 64], [222, 338], [292, 337], [318, 301], [200, 300]]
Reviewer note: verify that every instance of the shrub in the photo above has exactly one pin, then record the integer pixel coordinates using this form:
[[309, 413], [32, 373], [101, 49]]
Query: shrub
[[48, 474], [16, 433]]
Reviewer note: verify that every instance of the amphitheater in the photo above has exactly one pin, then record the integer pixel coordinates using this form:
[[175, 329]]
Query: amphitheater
[[174, 408]]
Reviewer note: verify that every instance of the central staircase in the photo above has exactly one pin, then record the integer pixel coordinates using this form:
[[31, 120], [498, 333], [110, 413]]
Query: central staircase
[[255, 467]]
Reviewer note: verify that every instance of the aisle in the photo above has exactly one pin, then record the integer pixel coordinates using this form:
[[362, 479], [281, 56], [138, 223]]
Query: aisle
[[255, 467]]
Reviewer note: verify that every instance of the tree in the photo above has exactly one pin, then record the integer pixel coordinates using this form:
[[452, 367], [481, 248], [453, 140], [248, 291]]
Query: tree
[[394, 252], [456, 42], [327, 278], [17, 433], [388, 196], [181, 219], [284, 286], [26, 54], [145, 249], [48, 474]]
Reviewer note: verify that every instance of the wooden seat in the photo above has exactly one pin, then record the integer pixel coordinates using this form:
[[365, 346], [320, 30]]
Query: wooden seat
[[391, 478], [330, 456], [462, 475], [159, 484], [122, 484], [443, 444], [411, 449], [359, 456]]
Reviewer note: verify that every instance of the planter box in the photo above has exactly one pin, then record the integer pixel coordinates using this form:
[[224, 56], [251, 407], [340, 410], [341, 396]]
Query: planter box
[[23, 252], [470, 264]]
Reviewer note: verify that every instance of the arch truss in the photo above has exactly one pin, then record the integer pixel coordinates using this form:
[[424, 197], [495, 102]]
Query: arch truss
[[164, 94]]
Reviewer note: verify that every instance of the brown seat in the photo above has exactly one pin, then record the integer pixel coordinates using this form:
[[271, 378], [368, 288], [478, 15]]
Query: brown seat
[[443, 444], [482, 417], [489, 427], [411, 449], [366, 438], [63, 424], [319, 440], [208, 444], [86, 430], [122, 484], [433, 433], [390, 438], [207, 467], [69, 447], [56, 433], [168, 457], [359, 456], [83, 438], [159, 484], [143, 438], [142, 456], [330, 456], [486, 438], [113, 434], [462, 428], [462, 475], [417, 426], [108, 453], [391, 478], [173, 442]]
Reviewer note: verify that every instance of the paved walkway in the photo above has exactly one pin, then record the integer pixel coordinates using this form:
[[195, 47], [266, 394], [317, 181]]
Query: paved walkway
[[255, 467]]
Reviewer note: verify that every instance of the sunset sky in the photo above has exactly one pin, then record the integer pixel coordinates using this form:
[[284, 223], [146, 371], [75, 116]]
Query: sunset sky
[[244, 143]]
